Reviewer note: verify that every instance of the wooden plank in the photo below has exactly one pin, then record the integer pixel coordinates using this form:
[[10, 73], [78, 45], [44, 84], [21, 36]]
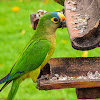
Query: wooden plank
[[49, 85], [74, 69], [89, 37], [74, 66]]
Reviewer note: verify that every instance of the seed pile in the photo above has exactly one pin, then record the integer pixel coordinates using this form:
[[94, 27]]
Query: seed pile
[[71, 2], [39, 14], [74, 3], [89, 75], [80, 21], [36, 16], [58, 77]]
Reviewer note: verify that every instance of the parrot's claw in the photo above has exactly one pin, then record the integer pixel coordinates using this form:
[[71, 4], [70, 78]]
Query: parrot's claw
[[44, 77]]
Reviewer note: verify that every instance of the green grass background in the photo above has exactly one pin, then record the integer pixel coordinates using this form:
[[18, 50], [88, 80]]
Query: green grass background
[[12, 43]]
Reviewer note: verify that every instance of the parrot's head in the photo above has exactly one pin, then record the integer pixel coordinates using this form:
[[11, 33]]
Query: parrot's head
[[52, 20], [58, 19]]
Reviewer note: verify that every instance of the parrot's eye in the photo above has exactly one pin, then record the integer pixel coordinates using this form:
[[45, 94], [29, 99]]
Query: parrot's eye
[[55, 19]]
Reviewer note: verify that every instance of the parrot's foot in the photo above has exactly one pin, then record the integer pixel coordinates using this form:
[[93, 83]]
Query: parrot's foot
[[44, 77]]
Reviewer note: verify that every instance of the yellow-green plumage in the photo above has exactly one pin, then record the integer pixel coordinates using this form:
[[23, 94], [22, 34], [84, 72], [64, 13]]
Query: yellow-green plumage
[[52, 39], [49, 54], [36, 53]]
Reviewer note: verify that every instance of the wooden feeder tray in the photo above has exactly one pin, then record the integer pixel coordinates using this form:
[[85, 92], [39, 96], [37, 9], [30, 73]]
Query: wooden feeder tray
[[80, 73], [72, 73]]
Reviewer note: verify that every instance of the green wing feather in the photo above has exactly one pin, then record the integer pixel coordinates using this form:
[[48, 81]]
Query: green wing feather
[[31, 58]]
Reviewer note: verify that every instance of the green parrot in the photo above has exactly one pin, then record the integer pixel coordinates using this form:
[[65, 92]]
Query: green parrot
[[36, 54]]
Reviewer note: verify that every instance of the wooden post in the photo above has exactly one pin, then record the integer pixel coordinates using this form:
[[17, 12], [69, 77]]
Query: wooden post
[[88, 93]]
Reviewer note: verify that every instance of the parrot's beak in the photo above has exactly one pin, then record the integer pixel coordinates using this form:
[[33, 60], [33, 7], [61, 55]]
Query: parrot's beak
[[62, 24]]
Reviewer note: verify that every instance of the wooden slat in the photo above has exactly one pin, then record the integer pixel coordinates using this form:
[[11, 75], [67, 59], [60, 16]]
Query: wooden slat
[[72, 67], [90, 38], [49, 85]]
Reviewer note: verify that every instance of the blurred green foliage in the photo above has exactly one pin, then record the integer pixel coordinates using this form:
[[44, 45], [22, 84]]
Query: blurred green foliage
[[16, 31]]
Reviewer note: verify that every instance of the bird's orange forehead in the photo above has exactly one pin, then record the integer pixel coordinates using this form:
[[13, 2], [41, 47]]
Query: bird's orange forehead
[[62, 17]]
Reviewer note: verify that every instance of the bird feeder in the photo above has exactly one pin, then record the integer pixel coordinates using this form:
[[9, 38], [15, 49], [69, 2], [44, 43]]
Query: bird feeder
[[83, 23], [80, 73]]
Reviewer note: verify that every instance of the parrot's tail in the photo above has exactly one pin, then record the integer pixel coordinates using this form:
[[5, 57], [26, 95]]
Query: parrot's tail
[[5, 85], [14, 88], [5, 79]]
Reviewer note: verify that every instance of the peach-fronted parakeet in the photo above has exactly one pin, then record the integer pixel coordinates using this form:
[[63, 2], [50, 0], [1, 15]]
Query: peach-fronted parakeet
[[37, 52]]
